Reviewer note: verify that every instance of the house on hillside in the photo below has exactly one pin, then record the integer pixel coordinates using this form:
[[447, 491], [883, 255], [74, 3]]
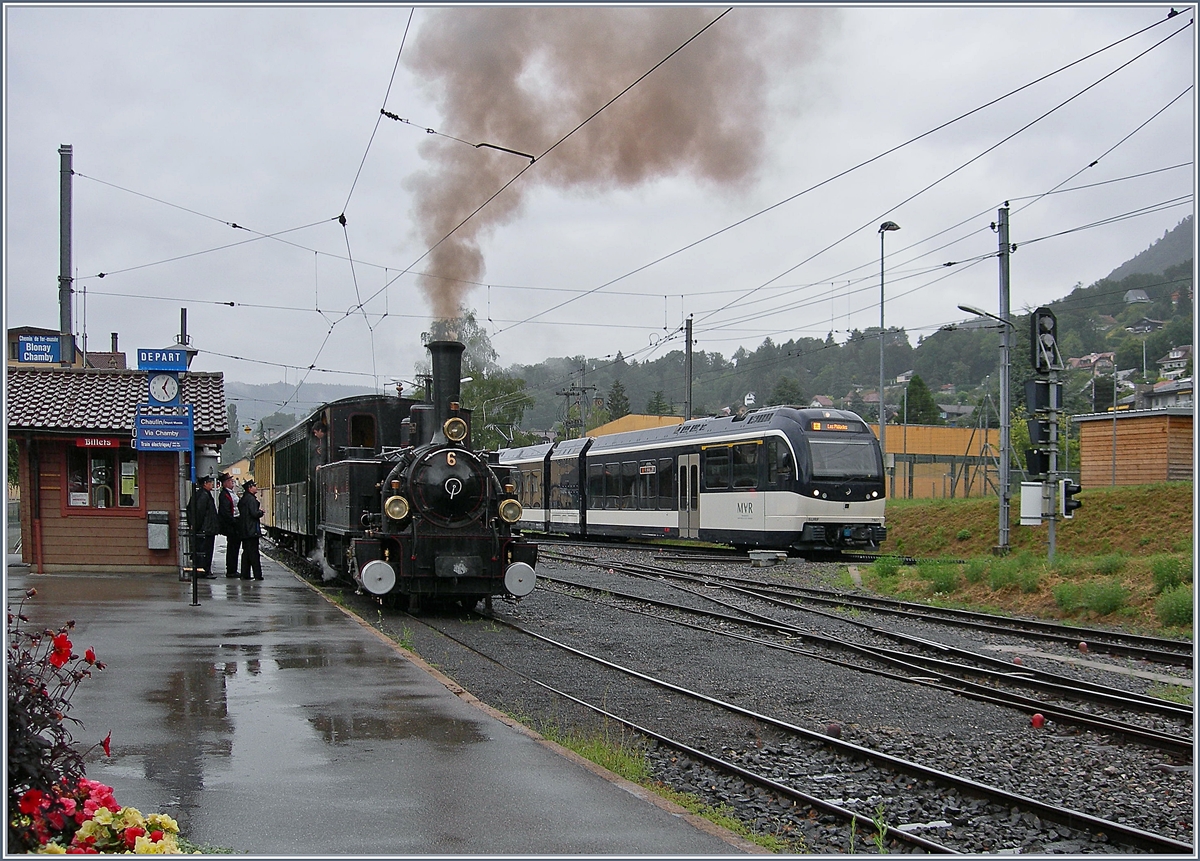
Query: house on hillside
[[821, 402], [1134, 296], [1097, 363], [1144, 325], [956, 414], [1173, 364]]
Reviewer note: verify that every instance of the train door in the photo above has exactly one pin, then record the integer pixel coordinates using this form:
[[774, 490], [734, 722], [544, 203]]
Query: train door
[[689, 495]]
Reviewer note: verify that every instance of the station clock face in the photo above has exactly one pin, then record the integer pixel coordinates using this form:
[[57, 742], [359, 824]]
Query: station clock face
[[164, 388]]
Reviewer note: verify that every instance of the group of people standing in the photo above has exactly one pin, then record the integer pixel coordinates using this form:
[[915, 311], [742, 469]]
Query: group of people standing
[[238, 519]]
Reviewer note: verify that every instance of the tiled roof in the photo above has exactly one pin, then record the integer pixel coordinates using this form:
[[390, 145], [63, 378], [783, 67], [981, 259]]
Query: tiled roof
[[71, 399]]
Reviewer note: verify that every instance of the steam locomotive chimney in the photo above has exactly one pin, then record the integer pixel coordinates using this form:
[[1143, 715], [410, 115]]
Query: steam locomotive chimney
[[447, 378]]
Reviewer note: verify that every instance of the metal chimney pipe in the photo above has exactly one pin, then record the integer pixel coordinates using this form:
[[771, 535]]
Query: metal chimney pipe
[[114, 342], [447, 378]]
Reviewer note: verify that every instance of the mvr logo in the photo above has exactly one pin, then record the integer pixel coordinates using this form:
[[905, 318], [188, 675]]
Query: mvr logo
[[745, 507]]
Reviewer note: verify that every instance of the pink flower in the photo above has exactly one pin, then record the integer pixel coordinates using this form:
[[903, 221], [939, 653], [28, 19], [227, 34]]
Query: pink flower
[[132, 834]]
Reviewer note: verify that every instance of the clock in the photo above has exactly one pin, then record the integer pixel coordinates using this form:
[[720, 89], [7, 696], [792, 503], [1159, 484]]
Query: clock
[[164, 388]]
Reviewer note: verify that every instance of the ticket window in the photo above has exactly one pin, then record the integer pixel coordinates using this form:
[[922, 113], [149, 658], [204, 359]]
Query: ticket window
[[102, 478]]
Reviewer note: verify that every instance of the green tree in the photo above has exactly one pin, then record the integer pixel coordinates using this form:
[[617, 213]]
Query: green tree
[[786, 391], [922, 408], [659, 405], [479, 358], [617, 401], [498, 405]]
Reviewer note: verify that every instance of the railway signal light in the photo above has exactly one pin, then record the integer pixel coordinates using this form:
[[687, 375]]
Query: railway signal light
[[1039, 431], [1044, 341], [1066, 496], [1041, 396], [1037, 462]]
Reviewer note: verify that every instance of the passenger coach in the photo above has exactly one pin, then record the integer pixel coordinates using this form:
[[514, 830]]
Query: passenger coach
[[779, 478]]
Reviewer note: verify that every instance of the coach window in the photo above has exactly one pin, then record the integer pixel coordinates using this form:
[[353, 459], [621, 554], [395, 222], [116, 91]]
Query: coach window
[[779, 463], [745, 465], [612, 485], [716, 467], [629, 476], [595, 485], [647, 491], [666, 483]]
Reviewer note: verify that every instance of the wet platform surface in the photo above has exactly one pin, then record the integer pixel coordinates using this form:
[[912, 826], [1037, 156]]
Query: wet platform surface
[[267, 721]]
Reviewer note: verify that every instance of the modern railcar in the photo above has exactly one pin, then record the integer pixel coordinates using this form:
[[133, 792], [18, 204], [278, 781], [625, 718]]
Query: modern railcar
[[778, 478]]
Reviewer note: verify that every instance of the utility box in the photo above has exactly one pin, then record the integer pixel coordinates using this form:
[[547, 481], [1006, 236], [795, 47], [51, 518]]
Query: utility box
[[158, 530], [1034, 502]]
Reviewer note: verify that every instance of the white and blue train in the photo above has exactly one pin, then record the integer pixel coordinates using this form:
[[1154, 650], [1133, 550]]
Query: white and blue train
[[779, 478]]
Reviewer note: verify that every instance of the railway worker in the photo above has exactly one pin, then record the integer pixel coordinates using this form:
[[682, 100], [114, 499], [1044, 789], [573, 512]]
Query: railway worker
[[250, 513], [204, 523], [227, 513]]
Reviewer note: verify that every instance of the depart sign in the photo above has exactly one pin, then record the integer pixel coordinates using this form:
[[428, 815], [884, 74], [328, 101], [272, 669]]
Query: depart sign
[[162, 360]]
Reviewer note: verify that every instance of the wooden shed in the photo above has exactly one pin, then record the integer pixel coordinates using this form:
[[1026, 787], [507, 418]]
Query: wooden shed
[[90, 500], [1135, 446]]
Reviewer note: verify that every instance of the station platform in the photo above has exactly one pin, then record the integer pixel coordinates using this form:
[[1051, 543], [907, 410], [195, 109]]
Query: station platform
[[268, 721]]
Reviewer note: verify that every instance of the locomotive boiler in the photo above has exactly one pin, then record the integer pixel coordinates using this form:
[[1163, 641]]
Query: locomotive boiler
[[441, 525]]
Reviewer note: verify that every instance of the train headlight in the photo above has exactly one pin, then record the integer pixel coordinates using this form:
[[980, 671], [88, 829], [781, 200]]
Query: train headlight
[[510, 511], [396, 507], [455, 429]]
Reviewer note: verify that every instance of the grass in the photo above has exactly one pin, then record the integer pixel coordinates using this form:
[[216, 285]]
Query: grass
[[1181, 694], [1125, 558], [624, 755]]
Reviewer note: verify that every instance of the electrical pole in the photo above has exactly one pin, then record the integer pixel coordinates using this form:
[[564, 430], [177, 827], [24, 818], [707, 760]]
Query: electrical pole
[[1005, 390], [66, 335], [687, 372]]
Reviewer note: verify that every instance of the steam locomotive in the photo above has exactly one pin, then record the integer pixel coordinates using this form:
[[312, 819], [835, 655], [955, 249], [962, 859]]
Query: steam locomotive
[[390, 494]]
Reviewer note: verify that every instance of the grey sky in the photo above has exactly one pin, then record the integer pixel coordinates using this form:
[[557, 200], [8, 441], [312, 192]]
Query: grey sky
[[184, 120]]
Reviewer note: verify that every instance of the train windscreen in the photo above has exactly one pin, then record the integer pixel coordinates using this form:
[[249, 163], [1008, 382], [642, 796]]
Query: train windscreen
[[843, 458]]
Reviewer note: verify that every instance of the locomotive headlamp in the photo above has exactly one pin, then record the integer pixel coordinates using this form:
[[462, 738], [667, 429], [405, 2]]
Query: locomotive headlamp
[[396, 507], [510, 511], [455, 429]]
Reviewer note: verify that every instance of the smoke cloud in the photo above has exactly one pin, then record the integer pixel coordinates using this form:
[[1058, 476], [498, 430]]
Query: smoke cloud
[[522, 78]]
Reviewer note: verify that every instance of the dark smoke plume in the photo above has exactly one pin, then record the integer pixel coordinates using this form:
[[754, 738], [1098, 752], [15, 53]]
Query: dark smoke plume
[[522, 78]]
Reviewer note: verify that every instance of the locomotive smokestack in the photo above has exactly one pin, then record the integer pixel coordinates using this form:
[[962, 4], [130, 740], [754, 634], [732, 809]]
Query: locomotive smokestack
[[447, 378]]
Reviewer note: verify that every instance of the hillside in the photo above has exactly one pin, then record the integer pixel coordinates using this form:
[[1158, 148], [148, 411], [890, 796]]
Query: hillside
[[1176, 246]]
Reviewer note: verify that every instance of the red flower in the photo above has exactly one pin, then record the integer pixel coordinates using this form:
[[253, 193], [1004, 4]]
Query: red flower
[[156, 836], [132, 834], [106, 743], [31, 801], [90, 656]]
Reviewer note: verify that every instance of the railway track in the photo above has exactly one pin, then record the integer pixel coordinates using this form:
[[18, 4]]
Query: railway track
[[846, 768]]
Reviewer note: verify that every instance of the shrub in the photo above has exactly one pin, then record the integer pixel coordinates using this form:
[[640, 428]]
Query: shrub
[[1068, 597], [1174, 607], [1065, 566], [1029, 579], [963, 534], [1111, 564], [1104, 596], [1169, 572], [886, 566], [944, 579], [975, 570]]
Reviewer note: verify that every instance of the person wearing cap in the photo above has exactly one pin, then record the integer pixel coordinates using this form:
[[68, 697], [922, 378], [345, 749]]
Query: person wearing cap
[[227, 512], [250, 513], [204, 523]]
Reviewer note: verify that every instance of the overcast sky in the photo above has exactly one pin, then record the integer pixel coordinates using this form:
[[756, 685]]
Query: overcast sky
[[789, 133]]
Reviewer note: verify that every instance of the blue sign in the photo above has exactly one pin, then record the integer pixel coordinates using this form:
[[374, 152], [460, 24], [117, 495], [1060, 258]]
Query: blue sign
[[39, 349], [161, 431], [162, 360]]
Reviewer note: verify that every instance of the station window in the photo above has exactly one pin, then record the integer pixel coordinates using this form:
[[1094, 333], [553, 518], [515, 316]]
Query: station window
[[102, 478]]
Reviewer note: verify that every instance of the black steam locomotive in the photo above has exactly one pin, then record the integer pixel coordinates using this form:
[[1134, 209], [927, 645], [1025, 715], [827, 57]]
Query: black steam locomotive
[[422, 520], [445, 530]]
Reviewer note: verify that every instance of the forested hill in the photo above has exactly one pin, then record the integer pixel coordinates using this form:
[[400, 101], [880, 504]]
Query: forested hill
[[1175, 247], [959, 366]]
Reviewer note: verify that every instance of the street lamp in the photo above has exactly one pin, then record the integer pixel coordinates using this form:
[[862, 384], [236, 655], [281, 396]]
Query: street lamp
[[1005, 418], [883, 228]]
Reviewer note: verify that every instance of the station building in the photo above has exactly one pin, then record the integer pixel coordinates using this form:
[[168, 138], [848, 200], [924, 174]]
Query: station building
[[90, 501]]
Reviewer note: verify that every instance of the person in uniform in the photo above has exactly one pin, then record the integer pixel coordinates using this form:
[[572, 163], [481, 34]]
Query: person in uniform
[[250, 513], [204, 524], [227, 513]]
